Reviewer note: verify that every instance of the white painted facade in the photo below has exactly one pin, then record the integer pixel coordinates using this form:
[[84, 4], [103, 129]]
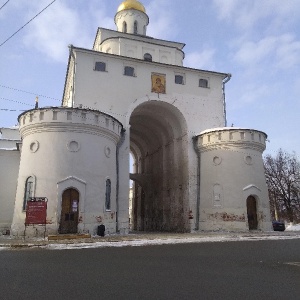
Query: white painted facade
[[131, 94], [9, 162], [68, 148], [231, 171]]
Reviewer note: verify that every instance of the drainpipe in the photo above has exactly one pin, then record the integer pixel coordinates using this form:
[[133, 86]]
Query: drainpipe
[[195, 141], [225, 80], [119, 144]]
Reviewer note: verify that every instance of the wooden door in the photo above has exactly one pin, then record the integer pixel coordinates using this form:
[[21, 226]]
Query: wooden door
[[252, 213], [69, 211]]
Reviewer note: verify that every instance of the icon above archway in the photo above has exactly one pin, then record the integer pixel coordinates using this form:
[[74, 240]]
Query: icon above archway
[[158, 82]]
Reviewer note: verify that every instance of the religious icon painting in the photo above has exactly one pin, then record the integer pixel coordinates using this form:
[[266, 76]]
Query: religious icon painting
[[158, 83]]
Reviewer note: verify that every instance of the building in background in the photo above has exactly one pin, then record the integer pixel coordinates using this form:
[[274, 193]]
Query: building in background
[[9, 167], [131, 94]]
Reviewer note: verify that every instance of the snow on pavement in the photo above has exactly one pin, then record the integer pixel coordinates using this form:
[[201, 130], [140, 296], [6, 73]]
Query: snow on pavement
[[169, 241], [293, 227]]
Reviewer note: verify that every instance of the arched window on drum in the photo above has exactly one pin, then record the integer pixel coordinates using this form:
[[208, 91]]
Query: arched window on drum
[[108, 195], [29, 190]]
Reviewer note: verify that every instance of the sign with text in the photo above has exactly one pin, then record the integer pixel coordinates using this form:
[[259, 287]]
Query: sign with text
[[36, 211]]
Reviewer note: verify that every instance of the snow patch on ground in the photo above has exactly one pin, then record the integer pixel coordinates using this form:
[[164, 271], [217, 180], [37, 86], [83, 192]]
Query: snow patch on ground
[[170, 241], [293, 227]]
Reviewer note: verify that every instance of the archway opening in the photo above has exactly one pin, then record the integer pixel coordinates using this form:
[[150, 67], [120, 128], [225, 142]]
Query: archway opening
[[252, 213], [159, 147]]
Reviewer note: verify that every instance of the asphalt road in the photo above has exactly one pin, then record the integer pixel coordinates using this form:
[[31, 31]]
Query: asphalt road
[[221, 270]]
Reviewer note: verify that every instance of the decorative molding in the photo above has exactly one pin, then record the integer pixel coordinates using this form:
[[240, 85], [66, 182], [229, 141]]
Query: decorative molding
[[107, 151], [248, 160], [217, 160], [70, 127], [73, 146], [34, 146], [232, 145], [251, 186]]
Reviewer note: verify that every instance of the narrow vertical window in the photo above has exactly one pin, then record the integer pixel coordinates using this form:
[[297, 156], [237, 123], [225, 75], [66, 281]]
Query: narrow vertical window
[[124, 27], [135, 27], [29, 184], [107, 194], [54, 115]]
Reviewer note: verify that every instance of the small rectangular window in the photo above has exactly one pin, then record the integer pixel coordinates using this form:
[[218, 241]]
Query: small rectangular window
[[179, 79], [203, 83], [129, 71], [100, 66]]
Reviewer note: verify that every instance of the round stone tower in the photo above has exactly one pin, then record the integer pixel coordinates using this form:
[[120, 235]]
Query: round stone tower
[[68, 155], [131, 18], [233, 190]]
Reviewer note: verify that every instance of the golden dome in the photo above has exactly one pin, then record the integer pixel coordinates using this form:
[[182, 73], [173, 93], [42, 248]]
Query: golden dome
[[132, 4]]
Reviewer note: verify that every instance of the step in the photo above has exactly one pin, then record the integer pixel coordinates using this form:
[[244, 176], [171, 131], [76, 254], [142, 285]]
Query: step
[[68, 237]]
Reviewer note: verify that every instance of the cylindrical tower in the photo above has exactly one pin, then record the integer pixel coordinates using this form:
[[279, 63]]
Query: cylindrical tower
[[233, 190], [131, 18], [68, 155]]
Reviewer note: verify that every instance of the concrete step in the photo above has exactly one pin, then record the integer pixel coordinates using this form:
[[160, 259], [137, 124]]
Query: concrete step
[[68, 237]]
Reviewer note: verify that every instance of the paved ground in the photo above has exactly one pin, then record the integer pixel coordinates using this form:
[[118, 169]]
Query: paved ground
[[164, 238], [268, 269]]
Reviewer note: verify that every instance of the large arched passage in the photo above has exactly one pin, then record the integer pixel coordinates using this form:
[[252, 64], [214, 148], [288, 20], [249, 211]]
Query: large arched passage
[[159, 145]]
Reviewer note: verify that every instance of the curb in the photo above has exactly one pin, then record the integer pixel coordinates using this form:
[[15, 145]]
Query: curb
[[87, 239]]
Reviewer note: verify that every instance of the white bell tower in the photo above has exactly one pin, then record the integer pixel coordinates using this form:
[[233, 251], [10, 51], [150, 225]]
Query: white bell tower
[[131, 18]]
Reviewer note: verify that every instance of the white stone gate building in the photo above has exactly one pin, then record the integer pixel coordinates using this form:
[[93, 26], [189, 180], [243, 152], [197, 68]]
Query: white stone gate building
[[131, 94]]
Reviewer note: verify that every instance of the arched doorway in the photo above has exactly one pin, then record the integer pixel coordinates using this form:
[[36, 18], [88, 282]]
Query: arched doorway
[[159, 145], [252, 213], [69, 211]]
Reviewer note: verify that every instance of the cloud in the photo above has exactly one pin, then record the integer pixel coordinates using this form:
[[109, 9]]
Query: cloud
[[287, 52], [248, 14], [226, 8], [281, 52], [201, 60], [255, 92], [162, 23], [61, 24]]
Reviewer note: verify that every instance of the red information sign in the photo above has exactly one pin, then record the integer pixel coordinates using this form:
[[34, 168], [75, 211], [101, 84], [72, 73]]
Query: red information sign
[[36, 212]]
